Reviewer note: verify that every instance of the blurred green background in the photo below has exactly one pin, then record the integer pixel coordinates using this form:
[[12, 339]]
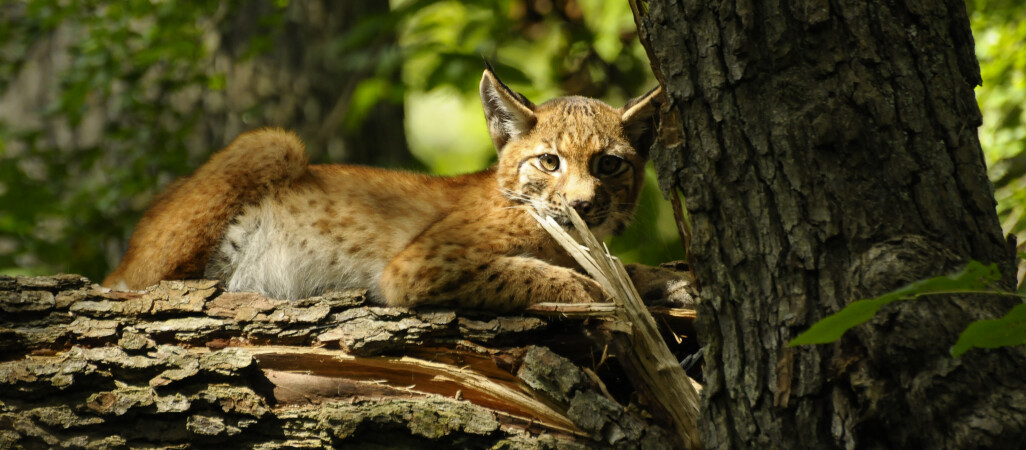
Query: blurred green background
[[104, 102]]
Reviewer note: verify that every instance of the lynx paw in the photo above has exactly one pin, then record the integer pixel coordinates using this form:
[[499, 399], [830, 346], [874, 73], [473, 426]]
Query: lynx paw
[[667, 285]]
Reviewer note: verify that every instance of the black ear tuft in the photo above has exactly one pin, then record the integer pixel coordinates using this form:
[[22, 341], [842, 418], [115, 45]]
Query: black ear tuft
[[509, 114], [638, 117]]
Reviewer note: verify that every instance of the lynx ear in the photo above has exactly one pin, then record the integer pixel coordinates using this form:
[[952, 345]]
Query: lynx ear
[[638, 118], [509, 114]]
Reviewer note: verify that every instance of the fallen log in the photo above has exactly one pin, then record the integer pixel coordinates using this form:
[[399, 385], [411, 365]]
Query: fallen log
[[185, 364]]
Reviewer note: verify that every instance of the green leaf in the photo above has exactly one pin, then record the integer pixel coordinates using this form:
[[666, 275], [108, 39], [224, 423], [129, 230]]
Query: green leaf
[[992, 333], [216, 82], [974, 277]]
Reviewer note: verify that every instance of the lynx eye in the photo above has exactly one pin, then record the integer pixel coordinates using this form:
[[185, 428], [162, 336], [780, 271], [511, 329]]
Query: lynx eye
[[609, 165], [549, 162]]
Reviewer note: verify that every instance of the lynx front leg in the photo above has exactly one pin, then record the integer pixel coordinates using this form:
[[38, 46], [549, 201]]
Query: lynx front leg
[[497, 283]]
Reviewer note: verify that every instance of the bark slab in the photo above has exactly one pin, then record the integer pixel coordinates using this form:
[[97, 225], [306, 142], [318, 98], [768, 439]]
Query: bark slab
[[184, 364]]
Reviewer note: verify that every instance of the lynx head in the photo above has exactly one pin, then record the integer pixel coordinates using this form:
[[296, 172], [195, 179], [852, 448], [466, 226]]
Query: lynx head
[[572, 149]]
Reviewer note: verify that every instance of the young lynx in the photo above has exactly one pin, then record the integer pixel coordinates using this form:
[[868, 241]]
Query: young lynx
[[257, 217]]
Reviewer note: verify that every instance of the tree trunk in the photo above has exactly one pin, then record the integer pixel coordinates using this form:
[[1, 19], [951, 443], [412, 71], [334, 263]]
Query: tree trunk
[[828, 152], [301, 82], [186, 365]]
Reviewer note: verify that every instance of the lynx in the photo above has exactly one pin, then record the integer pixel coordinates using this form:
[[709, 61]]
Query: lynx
[[259, 218]]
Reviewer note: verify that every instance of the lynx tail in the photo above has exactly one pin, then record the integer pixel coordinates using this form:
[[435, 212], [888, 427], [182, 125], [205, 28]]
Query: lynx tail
[[175, 237]]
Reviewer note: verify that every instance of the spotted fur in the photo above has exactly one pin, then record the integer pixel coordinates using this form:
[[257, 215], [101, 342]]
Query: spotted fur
[[259, 218]]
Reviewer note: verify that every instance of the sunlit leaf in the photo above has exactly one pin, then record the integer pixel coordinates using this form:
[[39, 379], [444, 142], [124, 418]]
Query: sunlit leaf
[[992, 333], [974, 277], [368, 93]]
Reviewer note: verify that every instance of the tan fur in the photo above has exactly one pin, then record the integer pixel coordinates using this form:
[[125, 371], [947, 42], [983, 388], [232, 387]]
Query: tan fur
[[257, 217]]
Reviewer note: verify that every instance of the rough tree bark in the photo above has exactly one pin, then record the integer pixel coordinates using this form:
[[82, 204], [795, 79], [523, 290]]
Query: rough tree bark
[[185, 365], [828, 152]]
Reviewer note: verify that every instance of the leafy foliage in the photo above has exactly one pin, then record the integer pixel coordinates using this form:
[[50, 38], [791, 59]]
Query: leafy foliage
[[999, 27], [66, 172]]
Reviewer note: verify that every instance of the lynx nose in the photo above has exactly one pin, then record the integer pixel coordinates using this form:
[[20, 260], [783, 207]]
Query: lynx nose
[[581, 206]]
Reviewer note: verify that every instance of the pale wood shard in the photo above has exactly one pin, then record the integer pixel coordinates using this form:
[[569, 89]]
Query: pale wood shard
[[634, 332], [184, 364], [573, 310]]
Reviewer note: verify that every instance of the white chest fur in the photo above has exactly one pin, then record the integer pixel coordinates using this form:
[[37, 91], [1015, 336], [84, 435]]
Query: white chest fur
[[266, 250]]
